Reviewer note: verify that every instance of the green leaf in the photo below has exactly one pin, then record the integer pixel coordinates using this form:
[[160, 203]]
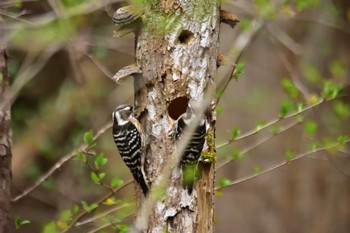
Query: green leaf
[[100, 52], [235, 133], [218, 110], [289, 155], [342, 109], [81, 156], [331, 90], [116, 182], [244, 24], [71, 3], [122, 228], [88, 138], [101, 175], [338, 69], [306, 4], [342, 139], [85, 206], [237, 155], [290, 88], [260, 124], [257, 169], [219, 93], [111, 201], [50, 228], [66, 215], [100, 161], [75, 209], [20, 222], [223, 182], [88, 208], [275, 129], [238, 70], [95, 178], [312, 74], [285, 108], [310, 127], [266, 8], [93, 206], [300, 107], [300, 118], [314, 146], [17, 4]]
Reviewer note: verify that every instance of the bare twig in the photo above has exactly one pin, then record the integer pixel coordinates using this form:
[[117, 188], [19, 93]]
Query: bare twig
[[109, 224], [103, 69], [280, 165], [99, 202], [29, 71], [16, 16], [241, 44], [265, 139], [84, 8], [105, 225], [101, 215], [293, 74], [342, 166], [306, 18], [270, 123], [285, 39], [60, 163]]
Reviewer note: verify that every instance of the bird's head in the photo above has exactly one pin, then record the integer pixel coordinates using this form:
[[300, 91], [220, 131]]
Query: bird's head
[[121, 114]]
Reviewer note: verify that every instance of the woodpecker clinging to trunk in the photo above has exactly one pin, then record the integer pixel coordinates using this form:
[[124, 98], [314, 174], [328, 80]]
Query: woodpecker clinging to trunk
[[127, 19], [129, 138], [193, 150]]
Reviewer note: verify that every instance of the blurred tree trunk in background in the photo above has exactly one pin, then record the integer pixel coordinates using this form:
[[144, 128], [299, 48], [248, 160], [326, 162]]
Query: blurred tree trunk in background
[[177, 50], [5, 144]]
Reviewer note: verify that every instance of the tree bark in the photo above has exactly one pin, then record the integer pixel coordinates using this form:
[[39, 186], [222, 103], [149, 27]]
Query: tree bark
[[5, 146], [177, 49]]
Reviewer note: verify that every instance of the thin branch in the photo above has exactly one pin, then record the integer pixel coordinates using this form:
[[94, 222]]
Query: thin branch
[[265, 139], [99, 202], [293, 74], [92, 169], [101, 215], [87, 7], [280, 165], [342, 167], [241, 44], [270, 123], [15, 17], [305, 18], [109, 224], [285, 39], [28, 73], [103, 69], [60, 163], [105, 225]]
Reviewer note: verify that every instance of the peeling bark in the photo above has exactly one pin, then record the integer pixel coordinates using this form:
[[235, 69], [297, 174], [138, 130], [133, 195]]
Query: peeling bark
[[177, 50], [5, 147]]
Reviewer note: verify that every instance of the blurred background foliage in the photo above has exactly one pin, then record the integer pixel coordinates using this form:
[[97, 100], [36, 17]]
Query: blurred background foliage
[[62, 55]]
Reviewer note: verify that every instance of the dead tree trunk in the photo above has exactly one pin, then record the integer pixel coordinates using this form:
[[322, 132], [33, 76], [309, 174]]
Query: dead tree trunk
[[177, 49], [5, 146]]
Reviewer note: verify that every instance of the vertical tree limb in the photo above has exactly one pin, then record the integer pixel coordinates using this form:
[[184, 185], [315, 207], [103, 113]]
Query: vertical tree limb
[[5, 144], [177, 50]]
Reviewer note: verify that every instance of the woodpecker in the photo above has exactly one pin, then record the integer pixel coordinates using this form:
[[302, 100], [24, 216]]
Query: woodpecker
[[193, 150], [127, 19], [126, 15], [129, 138]]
